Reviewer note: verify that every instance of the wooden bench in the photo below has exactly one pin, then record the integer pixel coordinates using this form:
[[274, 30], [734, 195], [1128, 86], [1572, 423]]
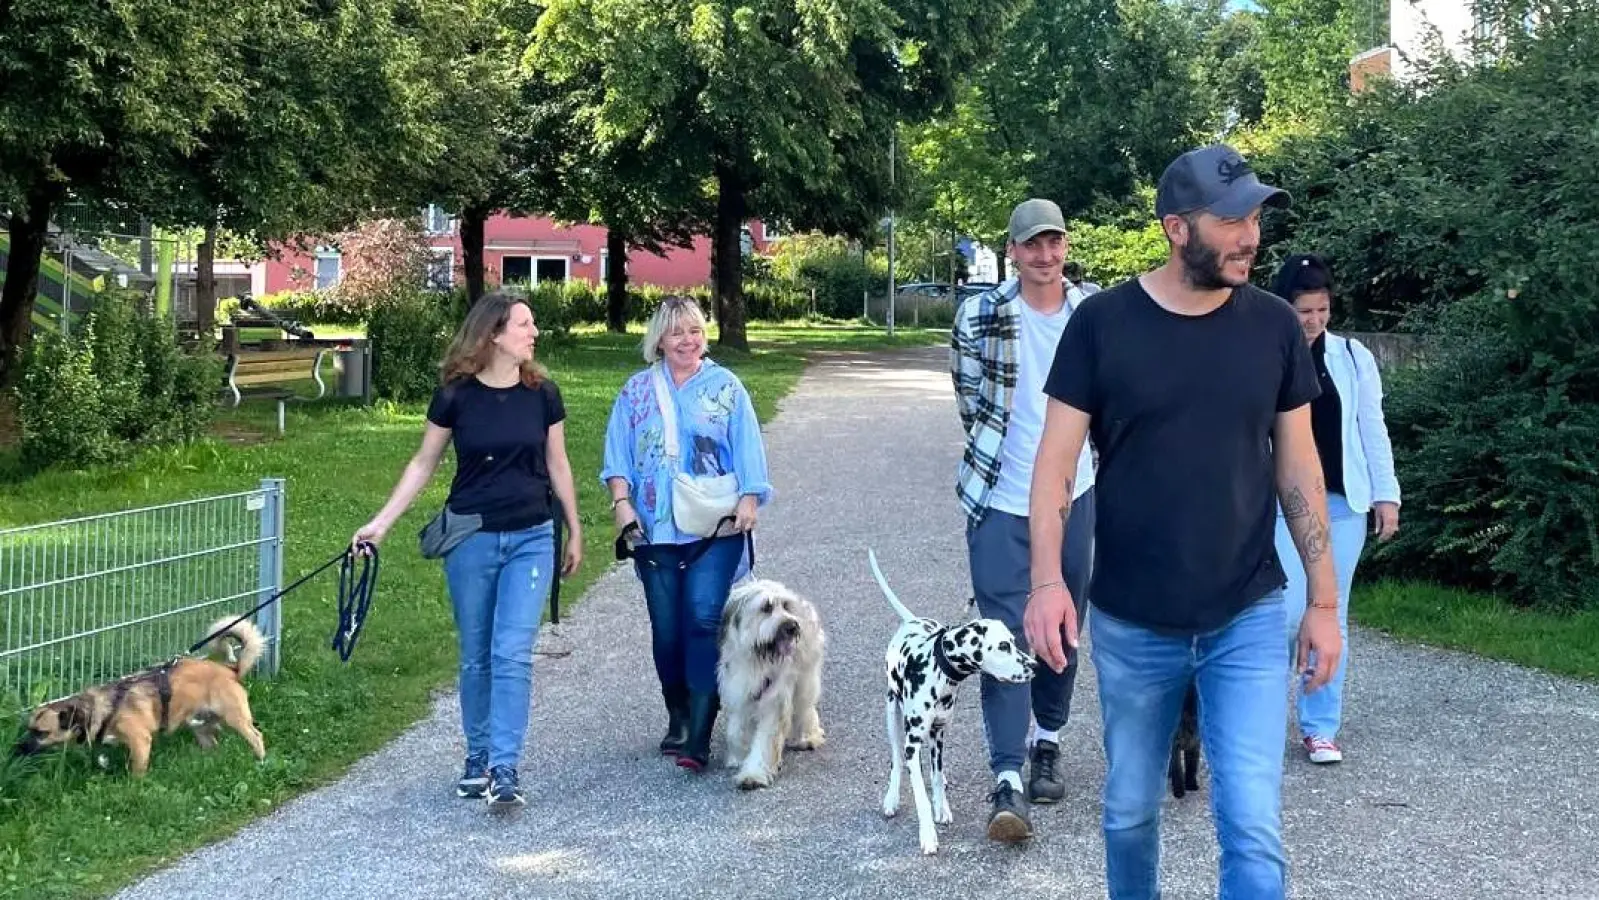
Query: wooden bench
[[263, 374]]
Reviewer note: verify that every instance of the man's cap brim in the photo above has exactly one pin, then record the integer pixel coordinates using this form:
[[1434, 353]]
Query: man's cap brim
[[1246, 198], [1035, 231]]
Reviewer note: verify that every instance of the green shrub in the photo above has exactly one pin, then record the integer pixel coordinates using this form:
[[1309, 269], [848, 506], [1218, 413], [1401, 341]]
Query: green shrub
[[1467, 210], [60, 410], [409, 334], [119, 383]]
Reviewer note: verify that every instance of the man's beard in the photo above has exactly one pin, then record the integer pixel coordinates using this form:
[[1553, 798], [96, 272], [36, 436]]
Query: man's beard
[[1202, 266]]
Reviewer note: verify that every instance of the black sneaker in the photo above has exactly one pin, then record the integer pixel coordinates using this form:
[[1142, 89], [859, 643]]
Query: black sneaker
[[475, 778], [1008, 823], [504, 792], [1044, 784]]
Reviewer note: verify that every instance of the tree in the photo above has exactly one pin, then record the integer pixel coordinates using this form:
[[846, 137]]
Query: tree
[[352, 112], [961, 179], [1304, 51], [1096, 97], [786, 107], [646, 201], [91, 90]]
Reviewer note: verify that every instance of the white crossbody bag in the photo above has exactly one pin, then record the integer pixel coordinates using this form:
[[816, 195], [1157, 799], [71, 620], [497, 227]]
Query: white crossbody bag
[[699, 502]]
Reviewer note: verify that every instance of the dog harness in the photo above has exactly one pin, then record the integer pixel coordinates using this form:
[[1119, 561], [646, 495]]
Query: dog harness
[[162, 675]]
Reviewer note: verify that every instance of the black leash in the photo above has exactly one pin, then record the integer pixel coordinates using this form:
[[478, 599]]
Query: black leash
[[355, 598], [697, 549]]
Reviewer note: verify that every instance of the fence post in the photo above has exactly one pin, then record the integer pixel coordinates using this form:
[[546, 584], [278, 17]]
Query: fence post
[[270, 574]]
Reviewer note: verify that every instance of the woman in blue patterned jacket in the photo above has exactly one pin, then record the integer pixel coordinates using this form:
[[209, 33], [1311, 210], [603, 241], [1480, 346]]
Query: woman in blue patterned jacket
[[717, 436]]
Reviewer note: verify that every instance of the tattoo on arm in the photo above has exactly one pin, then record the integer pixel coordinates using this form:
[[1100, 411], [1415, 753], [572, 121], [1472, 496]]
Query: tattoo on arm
[[1066, 504], [1307, 528]]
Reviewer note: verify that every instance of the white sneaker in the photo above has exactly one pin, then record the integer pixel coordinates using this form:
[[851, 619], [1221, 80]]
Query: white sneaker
[[1323, 751]]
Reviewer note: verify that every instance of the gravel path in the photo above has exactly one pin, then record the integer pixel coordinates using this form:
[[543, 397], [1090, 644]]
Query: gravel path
[[1465, 778]]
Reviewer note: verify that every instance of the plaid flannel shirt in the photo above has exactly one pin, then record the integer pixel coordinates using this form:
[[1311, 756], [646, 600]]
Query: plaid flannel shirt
[[982, 362]]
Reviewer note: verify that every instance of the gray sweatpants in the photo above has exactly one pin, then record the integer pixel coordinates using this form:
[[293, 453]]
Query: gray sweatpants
[[998, 549]]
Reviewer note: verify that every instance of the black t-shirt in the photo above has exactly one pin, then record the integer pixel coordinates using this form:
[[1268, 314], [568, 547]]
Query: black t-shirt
[[1182, 411], [1327, 420], [500, 436]]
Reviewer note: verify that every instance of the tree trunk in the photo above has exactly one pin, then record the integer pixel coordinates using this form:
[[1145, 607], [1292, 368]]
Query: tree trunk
[[999, 258], [474, 220], [616, 281], [205, 283], [727, 260], [27, 233]]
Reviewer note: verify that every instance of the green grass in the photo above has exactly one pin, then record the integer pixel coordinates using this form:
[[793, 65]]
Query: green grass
[[1567, 644], [68, 830]]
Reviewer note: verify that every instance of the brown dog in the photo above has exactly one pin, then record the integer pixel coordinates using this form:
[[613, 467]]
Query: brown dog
[[195, 692]]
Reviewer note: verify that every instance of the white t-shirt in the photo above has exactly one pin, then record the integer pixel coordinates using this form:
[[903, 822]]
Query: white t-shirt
[[1035, 353]]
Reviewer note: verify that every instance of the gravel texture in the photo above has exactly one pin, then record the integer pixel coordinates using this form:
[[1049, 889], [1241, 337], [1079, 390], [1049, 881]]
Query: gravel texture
[[1465, 778]]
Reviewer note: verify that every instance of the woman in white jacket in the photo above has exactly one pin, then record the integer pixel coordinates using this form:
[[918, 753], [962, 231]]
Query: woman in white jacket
[[1358, 464]]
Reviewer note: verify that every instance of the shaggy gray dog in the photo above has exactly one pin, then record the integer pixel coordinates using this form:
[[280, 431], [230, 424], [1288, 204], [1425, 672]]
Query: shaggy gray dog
[[769, 678]]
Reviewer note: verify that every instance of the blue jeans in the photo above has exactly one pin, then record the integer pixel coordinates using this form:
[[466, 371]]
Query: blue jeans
[[1243, 712], [1322, 713], [685, 607], [498, 585]]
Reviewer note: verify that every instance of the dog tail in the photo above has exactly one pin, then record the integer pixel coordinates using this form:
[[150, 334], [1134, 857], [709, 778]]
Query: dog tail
[[246, 635], [888, 592]]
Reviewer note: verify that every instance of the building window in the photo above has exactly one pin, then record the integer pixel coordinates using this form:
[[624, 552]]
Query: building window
[[436, 221], [772, 230], [516, 269], [551, 268], [441, 269], [329, 265], [605, 265]]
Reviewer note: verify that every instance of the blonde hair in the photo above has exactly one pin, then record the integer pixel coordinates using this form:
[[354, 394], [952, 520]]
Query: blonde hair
[[473, 346], [675, 309]]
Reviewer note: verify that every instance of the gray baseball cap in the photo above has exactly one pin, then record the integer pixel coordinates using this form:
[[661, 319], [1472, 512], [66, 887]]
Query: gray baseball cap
[[1033, 217], [1215, 179]]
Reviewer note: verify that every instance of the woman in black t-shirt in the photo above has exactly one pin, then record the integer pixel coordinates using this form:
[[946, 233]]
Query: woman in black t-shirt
[[507, 421]]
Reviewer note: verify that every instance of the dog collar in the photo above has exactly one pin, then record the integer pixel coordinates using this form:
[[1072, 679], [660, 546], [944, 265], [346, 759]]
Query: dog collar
[[945, 664]]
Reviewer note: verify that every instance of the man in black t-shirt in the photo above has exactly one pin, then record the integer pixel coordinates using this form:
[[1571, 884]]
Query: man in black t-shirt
[[1194, 386]]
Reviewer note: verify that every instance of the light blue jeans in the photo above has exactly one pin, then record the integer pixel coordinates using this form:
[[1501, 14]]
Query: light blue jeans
[[1243, 722], [499, 582], [1322, 713]]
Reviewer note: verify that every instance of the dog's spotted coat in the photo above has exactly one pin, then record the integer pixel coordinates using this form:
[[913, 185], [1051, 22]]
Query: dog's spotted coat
[[926, 663]]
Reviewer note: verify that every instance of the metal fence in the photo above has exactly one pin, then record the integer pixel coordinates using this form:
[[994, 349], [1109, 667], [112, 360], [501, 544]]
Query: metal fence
[[90, 599]]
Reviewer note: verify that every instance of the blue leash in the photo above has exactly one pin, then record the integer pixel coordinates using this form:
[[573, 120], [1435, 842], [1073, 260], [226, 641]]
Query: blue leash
[[355, 598]]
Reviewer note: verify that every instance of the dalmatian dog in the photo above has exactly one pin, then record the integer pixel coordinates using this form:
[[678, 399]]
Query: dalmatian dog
[[927, 662]]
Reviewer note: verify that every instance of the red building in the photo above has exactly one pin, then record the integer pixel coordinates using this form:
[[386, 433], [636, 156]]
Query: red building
[[518, 249]]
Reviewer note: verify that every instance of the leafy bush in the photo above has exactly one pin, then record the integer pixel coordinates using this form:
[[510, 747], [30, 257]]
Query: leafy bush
[[327, 307], [826, 265], [1114, 253], [409, 334], [1465, 207], [60, 410], [119, 383]]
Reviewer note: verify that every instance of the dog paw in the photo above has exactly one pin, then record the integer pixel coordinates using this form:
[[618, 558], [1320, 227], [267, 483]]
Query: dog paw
[[890, 808], [929, 841], [808, 741], [944, 815], [749, 781]]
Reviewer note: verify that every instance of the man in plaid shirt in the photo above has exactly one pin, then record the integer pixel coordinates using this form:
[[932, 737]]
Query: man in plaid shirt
[[1001, 349]]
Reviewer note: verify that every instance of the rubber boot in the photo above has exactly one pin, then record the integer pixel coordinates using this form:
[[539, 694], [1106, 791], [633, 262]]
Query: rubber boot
[[676, 696], [702, 710]]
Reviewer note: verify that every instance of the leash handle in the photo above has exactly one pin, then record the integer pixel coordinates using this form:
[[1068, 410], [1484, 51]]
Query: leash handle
[[355, 598]]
